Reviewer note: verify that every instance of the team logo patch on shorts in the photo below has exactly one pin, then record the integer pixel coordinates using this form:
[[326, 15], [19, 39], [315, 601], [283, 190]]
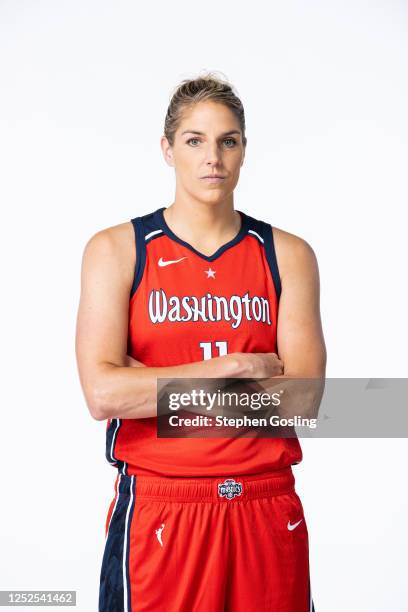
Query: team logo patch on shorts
[[229, 488]]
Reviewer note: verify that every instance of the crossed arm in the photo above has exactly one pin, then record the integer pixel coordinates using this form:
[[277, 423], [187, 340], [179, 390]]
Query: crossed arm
[[116, 385]]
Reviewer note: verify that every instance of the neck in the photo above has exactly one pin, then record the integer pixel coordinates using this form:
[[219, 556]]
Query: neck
[[205, 225]]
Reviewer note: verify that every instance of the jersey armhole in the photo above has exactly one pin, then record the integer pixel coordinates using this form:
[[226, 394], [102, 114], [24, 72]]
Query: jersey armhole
[[140, 253], [271, 258]]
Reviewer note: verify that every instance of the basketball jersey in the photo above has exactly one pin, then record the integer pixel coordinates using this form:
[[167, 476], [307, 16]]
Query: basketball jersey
[[186, 307]]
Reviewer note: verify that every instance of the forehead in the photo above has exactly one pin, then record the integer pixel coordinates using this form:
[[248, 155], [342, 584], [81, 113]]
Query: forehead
[[207, 114]]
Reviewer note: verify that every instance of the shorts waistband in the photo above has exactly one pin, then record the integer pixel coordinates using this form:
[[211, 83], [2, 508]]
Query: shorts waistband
[[223, 488]]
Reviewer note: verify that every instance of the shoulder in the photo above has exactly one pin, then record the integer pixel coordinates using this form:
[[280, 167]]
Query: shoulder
[[112, 247], [115, 240], [294, 255]]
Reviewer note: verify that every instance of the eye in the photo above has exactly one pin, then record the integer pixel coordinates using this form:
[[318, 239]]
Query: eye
[[230, 140]]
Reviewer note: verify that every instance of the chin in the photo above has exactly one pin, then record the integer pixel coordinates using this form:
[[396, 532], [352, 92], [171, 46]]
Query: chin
[[215, 197]]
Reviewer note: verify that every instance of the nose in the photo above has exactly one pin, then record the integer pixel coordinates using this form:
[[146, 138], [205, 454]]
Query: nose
[[213, 154]]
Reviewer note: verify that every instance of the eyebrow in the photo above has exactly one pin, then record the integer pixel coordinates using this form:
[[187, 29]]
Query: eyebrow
[[202, 133]]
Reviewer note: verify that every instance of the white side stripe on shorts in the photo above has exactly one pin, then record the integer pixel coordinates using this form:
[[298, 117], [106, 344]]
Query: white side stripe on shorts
[[125, 550]]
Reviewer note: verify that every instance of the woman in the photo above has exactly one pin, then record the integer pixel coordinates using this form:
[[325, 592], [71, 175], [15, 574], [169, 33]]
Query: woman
[[193, 290]]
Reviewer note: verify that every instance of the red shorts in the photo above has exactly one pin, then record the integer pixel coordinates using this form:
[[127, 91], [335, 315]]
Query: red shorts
[[206, 544]]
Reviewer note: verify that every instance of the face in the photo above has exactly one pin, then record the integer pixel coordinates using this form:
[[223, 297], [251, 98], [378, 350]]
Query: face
[[207, 142]]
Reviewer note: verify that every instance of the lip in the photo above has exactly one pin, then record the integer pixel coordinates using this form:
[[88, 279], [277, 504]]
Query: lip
[[214, 178]]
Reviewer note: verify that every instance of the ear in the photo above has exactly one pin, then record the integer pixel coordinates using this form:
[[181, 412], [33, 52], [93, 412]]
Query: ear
[[167, 151]]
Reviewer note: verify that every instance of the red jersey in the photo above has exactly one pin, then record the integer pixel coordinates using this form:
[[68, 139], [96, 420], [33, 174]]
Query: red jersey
[[185, 307]]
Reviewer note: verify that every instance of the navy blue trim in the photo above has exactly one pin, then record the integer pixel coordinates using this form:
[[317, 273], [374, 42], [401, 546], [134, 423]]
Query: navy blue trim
[[265, 231], [161, 222], [112, 430], [140, 253], [271, 257], [155, 222], [151, 227], [111, 587]]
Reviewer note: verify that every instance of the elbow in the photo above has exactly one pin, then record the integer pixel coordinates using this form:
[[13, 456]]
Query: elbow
[[312, 367], [97, 413], [108, 399], [104, 394], [97, 410], [100, 403]]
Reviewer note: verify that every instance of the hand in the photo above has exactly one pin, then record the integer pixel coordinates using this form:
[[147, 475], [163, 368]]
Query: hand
[[259, 365]]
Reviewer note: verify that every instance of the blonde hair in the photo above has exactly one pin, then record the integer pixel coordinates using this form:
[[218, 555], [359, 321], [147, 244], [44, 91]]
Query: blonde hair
[[192, 91]]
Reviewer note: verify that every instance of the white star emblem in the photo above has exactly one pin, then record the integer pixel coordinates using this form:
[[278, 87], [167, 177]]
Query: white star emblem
[[210, 273]]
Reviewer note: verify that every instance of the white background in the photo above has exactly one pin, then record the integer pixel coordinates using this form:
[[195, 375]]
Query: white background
[[84, 90]]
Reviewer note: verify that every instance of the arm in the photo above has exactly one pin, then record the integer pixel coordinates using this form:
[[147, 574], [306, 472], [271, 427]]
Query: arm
[[300, 340], [114, 384]]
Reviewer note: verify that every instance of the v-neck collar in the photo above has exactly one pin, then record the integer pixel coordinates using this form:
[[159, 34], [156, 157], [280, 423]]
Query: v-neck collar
[[166, 230]]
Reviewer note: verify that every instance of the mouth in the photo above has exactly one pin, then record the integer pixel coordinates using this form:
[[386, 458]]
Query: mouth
[[213, 178]]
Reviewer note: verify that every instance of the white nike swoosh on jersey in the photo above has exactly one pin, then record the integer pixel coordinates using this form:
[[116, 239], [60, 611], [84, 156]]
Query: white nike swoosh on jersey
[[162, 263], [292, 527]]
